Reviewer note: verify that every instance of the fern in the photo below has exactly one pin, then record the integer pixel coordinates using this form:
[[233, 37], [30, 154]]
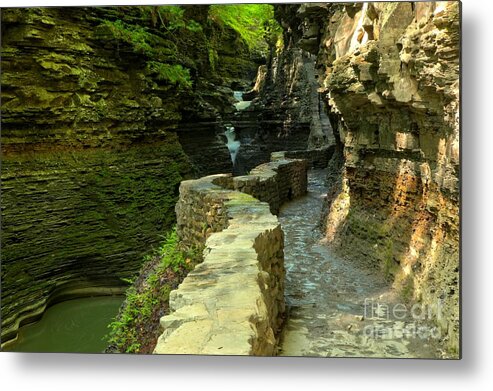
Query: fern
[[150, 45], [174, 74], [137, 36], [255, 23], [143, 301]]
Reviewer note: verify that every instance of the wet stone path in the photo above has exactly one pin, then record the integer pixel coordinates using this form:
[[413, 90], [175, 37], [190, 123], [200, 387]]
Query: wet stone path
[[336, 308]]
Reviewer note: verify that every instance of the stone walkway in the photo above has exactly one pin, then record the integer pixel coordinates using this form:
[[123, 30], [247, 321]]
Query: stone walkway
[[336, 308]]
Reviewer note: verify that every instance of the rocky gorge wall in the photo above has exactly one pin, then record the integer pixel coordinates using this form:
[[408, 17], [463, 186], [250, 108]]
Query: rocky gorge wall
[[91, 160], [287, 113], [87, 161], [316, 158], [233, 302], [390, 76]]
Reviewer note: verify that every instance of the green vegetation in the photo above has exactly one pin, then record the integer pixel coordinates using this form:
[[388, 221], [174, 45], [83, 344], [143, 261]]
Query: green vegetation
[[407, 288], [172, 43], [389, 266], [161, 43], [136, 328], [175, 74], [254, 22], [137, 36], [155, 48], [175, 18], [213, 58]]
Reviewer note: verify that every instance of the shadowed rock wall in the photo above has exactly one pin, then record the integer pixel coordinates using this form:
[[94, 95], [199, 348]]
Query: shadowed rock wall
[[80, 218], [91, 162], [316, 158]]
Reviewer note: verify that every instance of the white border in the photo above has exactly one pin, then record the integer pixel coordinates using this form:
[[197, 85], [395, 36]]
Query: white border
[[475, 371]]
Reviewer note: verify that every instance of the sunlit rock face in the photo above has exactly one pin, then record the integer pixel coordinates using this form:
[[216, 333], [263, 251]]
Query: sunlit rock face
[[390, 74]]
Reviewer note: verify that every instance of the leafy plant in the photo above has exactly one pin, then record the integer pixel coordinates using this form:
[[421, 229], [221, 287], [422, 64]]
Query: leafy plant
[[175, 74], [146, 298], [254, 22], [175, 18], [137, 36], [156, 48]]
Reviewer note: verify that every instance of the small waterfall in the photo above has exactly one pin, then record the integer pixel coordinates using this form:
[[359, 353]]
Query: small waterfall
[[241, 104], [232, 144]]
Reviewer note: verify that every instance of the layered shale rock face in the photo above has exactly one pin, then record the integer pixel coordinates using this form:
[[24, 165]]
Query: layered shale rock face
[[290, 93], [90, 167], [91, 162], [390, 74], [287, 112], [232, 66]]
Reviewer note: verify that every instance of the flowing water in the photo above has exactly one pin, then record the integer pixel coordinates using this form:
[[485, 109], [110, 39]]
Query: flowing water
[[241, 104], [231, 142], [337, 308], [77, 326]]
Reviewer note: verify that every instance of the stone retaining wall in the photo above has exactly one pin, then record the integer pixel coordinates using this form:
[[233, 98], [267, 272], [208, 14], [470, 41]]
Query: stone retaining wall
[[233, 302], [316, 158], [275, 183], [200, 208]]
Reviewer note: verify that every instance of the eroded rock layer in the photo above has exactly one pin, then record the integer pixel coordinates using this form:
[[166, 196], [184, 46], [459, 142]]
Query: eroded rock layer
[[390, 75], [91, 160]]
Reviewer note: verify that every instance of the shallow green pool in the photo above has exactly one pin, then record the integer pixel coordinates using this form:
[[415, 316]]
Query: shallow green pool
[[71, 326]]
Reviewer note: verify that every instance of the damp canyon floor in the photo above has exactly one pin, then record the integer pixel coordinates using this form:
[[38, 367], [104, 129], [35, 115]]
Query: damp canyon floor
[[337, 308], [331, 302]]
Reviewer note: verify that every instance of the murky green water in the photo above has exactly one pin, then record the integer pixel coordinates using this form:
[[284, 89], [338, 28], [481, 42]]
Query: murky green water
[[76, 326]]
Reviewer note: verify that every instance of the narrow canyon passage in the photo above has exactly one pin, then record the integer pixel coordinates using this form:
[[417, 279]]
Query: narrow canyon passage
[[337, 308], [116, 120]]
